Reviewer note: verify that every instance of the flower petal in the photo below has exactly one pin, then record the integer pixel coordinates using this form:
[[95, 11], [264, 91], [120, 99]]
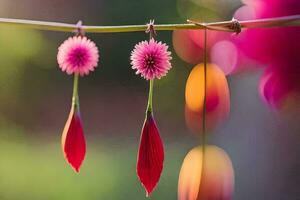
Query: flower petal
[[73, 141], [150, 155]]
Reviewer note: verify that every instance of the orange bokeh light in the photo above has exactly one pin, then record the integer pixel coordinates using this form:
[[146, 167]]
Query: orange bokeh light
[[217, 99], [216, 182]]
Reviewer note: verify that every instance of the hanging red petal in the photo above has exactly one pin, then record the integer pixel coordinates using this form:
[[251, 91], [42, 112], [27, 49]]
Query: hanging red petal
[[150, 155], [73, 141]]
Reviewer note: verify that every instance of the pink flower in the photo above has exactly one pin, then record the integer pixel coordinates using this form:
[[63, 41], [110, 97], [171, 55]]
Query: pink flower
[[278, 49], [151, 59], [78, 54], [73, 141], [150, 155]]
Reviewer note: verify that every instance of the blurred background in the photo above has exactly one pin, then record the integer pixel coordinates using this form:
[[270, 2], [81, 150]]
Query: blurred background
[[253, 118]]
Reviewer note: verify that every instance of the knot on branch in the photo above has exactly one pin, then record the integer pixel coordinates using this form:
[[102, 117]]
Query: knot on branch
[[79, 29], [235, 26], [150, 28]]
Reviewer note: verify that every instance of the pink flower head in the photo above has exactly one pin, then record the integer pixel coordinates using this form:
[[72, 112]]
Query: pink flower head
[[78, 54], [151, 59], [150, 156]]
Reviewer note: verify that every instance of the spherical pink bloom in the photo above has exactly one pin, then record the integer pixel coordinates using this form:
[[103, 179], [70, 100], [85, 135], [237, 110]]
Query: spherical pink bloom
[[78, 54], [151, 59]]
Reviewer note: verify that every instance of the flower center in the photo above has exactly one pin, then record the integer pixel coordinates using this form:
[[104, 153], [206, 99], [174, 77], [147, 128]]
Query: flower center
[[78, 57], [150, 62]]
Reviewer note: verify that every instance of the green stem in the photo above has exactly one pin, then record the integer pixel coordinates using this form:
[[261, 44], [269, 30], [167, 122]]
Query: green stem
[[293, 20], [75, 97], [150, 97]]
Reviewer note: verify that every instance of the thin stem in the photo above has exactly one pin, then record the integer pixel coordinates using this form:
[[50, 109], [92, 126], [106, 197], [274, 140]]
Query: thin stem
[[151, 31], [205, 92], [75, 97], [203, 139], [150, 97], [293, 20]]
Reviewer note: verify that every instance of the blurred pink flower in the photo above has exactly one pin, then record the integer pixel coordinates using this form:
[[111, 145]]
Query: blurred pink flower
[[78, 54], [151, 59], [278, 87], [277, 48]]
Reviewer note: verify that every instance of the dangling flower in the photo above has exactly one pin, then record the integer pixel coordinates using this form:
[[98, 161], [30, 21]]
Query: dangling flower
[[73, 141], [151, 59], [150, 155], [78, 54]]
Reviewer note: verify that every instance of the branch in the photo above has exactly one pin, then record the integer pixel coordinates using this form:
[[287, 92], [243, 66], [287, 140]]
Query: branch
[[293, 20]]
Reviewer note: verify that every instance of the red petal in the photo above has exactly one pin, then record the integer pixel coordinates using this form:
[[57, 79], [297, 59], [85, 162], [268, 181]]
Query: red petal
[[150, 155], [73, 142]]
